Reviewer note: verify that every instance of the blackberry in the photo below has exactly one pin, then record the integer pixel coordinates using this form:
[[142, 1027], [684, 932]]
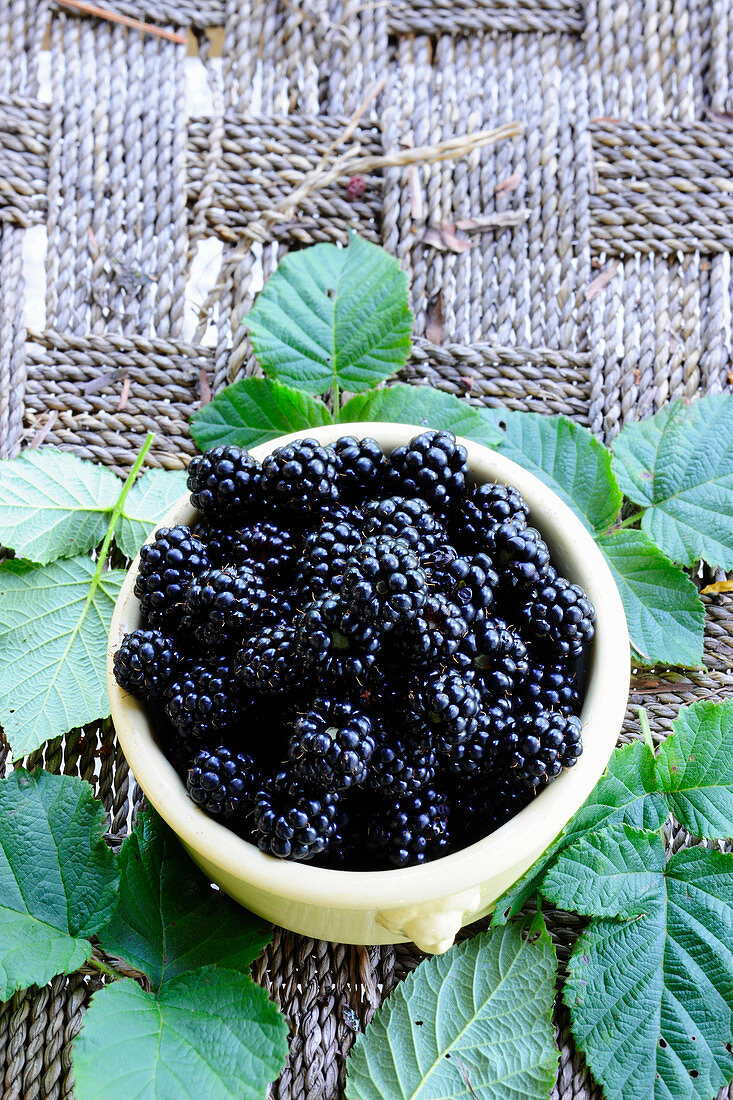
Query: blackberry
[[222, 547], [268, 547], [300, 478], [145, 663], [383, 582], [520, 556], [222, 782], [468, 582], [483, 805], [292, 821], [414, 830], [335, 642], [331, 745], [544, 744], [168, 565], [407, 519], [399, 767], [203, 701], [484, 748], [224, 483], [280, 607], [559, 614], [222, 606], [549, 687], [361, 469], [485, 508], [325, 554], [497, 654], [268, 664], [451, 705], [347, 850], [435, 635], [432, 466]]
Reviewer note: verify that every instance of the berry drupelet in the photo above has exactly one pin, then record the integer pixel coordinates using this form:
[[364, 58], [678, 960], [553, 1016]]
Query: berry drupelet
[[361, 468], [145, 663], [331, 745], [301, 478], [544, 744], [559, 614], [222, 782], [225, 484], [292, 821], [383, 582], [432, 466], [168, 566], [223, 606]]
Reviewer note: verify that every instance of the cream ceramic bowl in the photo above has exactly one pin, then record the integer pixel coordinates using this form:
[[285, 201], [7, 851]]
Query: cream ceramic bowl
[[425, 904]]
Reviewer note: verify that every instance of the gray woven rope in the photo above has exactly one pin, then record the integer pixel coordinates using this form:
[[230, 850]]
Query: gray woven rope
[[599, 287]]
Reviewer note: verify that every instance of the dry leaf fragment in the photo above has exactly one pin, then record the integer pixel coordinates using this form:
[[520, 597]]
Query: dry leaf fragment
[[43, 431], [122, 403], [434, 328], [445, 239], [500, 220], [718, 588], [600, 282], [204, 388], [511, 183]]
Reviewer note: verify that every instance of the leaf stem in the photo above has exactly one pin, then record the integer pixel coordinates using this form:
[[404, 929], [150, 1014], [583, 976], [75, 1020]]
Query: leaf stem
[[336, 399], [628, 521], [105, 968], [114, 519], [646, 729]]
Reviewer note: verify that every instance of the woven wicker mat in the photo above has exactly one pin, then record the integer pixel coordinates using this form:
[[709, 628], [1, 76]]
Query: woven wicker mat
[[607, 295]]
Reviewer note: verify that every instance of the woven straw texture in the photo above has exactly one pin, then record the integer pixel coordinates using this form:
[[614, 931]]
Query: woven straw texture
[[597, 285]]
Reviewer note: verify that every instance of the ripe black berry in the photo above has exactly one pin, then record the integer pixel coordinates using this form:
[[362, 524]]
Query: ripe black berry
[[414, 830], [224, 484], [496, 653], [331, 745], [400, 767], [559, 614], [145, 663], [335, 642], [293, 821], [269, 547], [361, 468], [520, 556], [168, 565], [383, 582], [469, 581], [432, 466], [301, 478], [203, 700], [452, 705], [484, 509], [268, 663], [325, 554], [543, 745], [435, 635], [223, 606], [549, 687], [482, 805], [222, 782], [408, 519]]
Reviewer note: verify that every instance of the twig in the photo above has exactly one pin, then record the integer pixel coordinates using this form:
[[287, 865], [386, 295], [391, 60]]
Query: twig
[[122, 403], [43, 431], [500, 220], [124, 20]]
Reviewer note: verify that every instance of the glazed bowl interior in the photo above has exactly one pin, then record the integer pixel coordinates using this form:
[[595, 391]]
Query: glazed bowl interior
[[232, 860]]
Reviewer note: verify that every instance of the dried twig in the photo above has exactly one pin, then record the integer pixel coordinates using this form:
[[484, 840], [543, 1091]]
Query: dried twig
[[204, 387], [600, 282], [43, 431], [124, 20], [502, 219], [122, 403]]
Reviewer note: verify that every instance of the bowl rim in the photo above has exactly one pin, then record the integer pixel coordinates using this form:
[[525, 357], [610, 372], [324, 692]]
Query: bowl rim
[[603, 710]]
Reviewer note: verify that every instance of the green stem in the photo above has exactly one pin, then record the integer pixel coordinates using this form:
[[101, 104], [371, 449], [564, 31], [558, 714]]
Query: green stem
[[114, 519], [336, 399], [105, 968], [628, 521], [646, 730]]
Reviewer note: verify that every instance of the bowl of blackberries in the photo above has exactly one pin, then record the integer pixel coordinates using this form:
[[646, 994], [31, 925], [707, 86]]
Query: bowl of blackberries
[[367, 673]]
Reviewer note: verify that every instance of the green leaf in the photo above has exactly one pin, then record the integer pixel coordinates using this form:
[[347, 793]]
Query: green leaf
[[167, 919], [614, 873], [425, 407], [695, 769], [628, 792], [664, 612], [333, 315], [57, 877], [150, 498], [651, 998], [53, 648], [207, 1035], [53, 504], [475, 1021], [253, 411], [688, 451], [567, 458]]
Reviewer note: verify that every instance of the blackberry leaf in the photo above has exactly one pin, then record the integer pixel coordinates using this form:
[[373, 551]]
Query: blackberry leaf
[[401, 403], [695, 769], [254, 411], [490, 1026], [333, 316]]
